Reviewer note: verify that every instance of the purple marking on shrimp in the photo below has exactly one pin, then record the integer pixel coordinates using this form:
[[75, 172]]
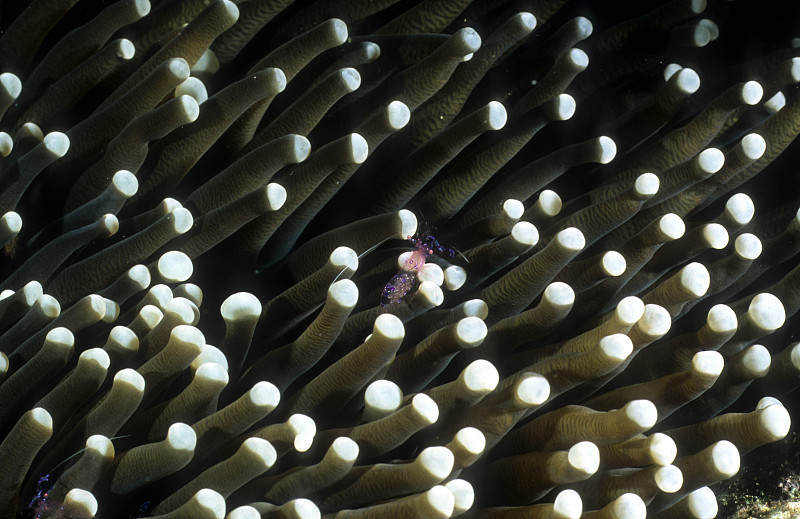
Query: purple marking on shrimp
[[404, 281]]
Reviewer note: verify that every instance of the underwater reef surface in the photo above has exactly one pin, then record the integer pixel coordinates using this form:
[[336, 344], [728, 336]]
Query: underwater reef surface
[[398, 259]]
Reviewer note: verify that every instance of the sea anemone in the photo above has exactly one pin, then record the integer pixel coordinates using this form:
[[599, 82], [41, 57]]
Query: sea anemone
[[593, 316]]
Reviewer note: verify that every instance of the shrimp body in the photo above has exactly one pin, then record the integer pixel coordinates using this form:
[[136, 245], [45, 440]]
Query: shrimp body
[[401, 284], [404, 281]]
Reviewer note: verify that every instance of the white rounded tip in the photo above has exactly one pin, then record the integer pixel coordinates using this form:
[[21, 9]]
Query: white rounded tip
[[41, 417], [701, 36], [513, 208], [96, 356], [62, 337], [695, 279], [109, 224], [264, 394], [463, 493], [480, 376], [722, 319], [181, 437], [740, 208], [525, 233], [584, 456], [345, 448], [496, 116], [613, 263], [338, 28], [262, 450], [608, 149], [756, 360], [441, 501], [359, 148], [698, 6], [708, 363], [399, 114], [383, 395], [389, 326], [567, 505], [656, 320], [775, 421], [11, 84], [571, 239], [776, 102], [179, 68], [565, 107], [454, 277], [628, 506], [471, 440], [716, 236], [425, 408], [57, 143], [82, 501], [471, 331], [344, 292], [670, 70], [408, 223], [748, 246], [663, 449], [190, 107], [6, 144], [712, 27], [276, 196], [125, 182], [753, 146], [12, 222], [672, 226], [212, 372], [438, 461], [711, 160], [767, 311], [703, 503], [579, 58], [350, 78], [725, 458], [300, 148], [182, 220], [752, 91], [469, 39], [126, 49], [549, 202], [142, 7], [372, 51], [647, 184], [643, 413], [617, 346], [130, 377], [669, 479], [533, 390], [175, 266], [629, 310], [210, 501], [559, 293], [585, 27], [687, 79], [794, 65], [241, 305], [526, 20]]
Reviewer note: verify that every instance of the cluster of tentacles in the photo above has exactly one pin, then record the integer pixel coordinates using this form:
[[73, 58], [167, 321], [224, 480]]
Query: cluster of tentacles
[[612, 335]]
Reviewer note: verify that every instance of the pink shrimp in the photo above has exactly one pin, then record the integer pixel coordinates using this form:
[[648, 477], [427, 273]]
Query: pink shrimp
[[403, 282]]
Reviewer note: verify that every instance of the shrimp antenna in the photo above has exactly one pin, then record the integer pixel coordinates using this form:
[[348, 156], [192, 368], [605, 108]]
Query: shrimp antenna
[[461, 254], [358, 258], [83, 449]]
